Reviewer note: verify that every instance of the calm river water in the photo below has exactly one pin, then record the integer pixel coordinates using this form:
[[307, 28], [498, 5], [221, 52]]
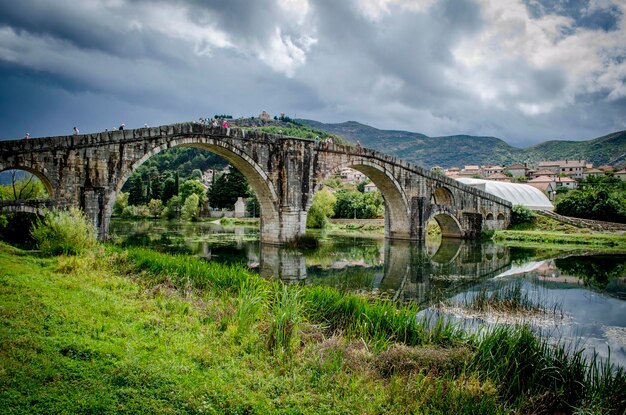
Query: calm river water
[[584, 293]]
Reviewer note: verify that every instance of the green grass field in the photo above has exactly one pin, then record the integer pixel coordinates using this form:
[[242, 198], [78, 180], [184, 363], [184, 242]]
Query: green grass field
[[134, 331]]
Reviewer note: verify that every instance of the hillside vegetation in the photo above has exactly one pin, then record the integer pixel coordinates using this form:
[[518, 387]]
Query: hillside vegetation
[[460, 150]]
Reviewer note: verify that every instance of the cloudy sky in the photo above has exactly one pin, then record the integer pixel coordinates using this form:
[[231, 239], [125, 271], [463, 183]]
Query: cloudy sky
[[522, 70]]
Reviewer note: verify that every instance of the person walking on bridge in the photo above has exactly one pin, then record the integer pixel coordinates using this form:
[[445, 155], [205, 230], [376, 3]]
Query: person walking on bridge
[[75, 131]]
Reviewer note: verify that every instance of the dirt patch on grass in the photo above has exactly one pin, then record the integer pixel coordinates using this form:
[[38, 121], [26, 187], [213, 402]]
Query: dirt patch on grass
[[401, 359]]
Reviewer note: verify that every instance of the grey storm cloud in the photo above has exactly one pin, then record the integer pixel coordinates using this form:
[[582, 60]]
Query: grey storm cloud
[[523, 70]]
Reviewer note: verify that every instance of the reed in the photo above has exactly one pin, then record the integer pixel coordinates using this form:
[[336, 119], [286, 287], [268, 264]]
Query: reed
[[286, 316]]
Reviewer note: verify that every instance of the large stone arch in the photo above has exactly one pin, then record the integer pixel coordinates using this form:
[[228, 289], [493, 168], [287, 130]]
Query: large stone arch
[[39, 174], [256, 176], [397, 216]]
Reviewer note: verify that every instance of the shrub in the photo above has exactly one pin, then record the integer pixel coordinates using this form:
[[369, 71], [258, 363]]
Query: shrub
[[64, 232], [322, 208], [191, 208], [521, 214]]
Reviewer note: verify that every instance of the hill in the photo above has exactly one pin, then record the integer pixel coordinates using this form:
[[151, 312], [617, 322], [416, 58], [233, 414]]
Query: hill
[[460, 150]]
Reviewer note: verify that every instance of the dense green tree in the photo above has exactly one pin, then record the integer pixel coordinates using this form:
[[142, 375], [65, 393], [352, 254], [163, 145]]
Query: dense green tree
[[196, 174], [172, 211], [354, 204], [191, 208], [169, 189], [226, 188], [252, 205], [136, 191], [120, 203], [190, 187], [321, 209], [155, 206], [599, 203]]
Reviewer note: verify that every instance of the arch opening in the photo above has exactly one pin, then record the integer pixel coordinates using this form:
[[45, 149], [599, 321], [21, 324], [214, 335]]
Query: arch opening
[[442, 196], [263, 191], [489, 216], [376, 186], [23, 183], [443, 225]]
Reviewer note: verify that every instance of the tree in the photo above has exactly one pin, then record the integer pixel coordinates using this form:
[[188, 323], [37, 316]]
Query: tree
[[321, 209], [191, 208], [173, 208], [120, 203], [353, 204], [155, 206], [252, 205], [190, 187], [599, 203], [226, 188], [196, 174], [169, 189], [27, 187], [136, 195]]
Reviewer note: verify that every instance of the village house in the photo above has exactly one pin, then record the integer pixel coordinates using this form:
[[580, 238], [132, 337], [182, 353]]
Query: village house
[[369, 188], [543, 172], [570, 168], [567, 182], [452, 172], [207, 177], [351, 176], [546, 184], [499, 177], [620, 174], [517, 169], [592, 172], [471, 171], [264, 116], [489, 170]]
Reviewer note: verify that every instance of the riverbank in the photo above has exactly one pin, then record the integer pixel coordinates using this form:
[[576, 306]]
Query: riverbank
[[542, 231], [136, 331]]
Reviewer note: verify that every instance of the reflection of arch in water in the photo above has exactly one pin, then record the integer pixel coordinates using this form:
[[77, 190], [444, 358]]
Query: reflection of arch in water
[[442, 196], [447, 251], [38, 174]]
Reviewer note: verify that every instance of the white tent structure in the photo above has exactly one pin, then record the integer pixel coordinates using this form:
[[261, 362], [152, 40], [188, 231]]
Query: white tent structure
[[516, 193]]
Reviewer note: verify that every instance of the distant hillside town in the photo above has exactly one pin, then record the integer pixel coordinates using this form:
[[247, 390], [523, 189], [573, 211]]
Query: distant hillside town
[[547, 176]]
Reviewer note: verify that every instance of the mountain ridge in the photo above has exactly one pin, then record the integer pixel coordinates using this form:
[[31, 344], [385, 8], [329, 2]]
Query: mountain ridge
[[463, 149]]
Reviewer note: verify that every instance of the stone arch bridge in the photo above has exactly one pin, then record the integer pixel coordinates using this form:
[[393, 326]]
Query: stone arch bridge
[[89, 171]]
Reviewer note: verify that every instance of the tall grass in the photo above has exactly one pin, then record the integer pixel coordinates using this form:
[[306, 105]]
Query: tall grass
[[251, 302], [509, 298], [530, 373], [64, 232], [286, 317]]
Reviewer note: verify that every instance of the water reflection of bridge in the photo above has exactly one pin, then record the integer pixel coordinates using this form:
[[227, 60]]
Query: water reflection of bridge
[[411, 271]]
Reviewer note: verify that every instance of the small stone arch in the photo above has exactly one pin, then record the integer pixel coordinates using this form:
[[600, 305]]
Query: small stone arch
[[449, 225], [38, 174], [397, 218], [500, 216], [442, 196], [489, 216]]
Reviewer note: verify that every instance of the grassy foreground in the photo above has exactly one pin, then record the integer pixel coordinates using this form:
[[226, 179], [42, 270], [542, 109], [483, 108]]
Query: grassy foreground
[[135, 331]]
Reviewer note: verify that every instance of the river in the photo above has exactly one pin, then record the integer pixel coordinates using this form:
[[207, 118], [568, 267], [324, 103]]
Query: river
[[582, 293]]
